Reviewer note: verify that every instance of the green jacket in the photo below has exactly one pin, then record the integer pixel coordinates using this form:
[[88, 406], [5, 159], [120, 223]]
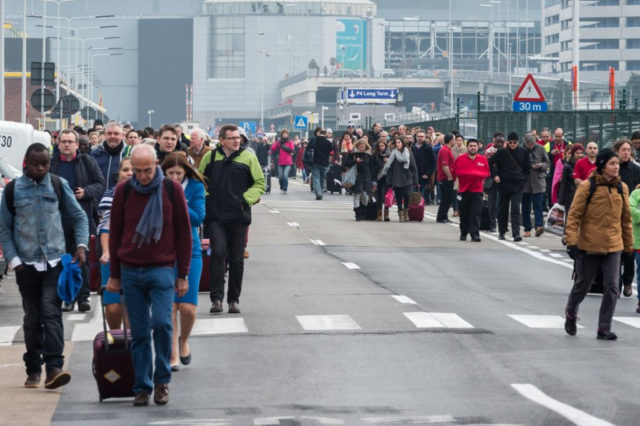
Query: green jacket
[[634, 202], [235, 184]]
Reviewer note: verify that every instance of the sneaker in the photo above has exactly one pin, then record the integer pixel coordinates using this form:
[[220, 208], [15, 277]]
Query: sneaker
[[56, 378], [527, 234], [68, 307], [570, 325], [539, 231], [33, 381], [84, 306], [606, 335]]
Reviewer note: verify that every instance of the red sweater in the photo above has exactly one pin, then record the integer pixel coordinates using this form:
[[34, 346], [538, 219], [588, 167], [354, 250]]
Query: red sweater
[[583, 168], [445, 158], [471, 173], [175, 242]]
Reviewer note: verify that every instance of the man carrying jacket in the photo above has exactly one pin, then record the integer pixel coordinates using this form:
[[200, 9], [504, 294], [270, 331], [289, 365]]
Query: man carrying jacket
[[236, 183], [511, 173], [87, 183]]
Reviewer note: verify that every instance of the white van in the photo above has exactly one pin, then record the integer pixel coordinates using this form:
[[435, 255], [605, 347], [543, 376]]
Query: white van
[[14, 140]]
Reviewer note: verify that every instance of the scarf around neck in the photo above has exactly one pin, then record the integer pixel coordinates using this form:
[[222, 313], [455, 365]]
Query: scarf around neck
[[403, 157], [149, 227], [113, 151]]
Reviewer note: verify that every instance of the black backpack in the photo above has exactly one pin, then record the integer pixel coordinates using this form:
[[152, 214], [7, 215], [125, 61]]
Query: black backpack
[[593, 185]]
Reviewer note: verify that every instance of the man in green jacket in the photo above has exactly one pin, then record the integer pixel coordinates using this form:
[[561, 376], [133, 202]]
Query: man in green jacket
[[235, 184]]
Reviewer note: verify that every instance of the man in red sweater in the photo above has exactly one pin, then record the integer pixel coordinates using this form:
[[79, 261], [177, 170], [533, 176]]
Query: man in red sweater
[[444, 174], [471, 169], [150, 233], [586, 165]]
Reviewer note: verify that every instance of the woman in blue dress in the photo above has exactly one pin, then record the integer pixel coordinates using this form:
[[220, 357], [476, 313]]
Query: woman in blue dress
[[176, 166]]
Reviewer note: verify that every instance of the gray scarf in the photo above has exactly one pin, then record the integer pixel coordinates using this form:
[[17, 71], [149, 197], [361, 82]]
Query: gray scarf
[[150, 225]]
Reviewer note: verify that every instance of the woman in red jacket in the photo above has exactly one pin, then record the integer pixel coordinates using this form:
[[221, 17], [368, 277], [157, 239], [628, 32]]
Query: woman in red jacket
[[285, 148]]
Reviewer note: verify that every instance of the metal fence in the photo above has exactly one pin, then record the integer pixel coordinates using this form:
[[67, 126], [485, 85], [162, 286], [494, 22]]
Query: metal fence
[[601, 126]]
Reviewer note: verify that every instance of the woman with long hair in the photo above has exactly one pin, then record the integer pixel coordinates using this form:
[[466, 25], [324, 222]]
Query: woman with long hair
[[284, 149], [176, 166], [401, 174], [380, 158]]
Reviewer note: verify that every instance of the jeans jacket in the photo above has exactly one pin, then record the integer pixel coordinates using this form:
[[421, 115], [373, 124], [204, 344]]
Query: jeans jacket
[[35, 234]]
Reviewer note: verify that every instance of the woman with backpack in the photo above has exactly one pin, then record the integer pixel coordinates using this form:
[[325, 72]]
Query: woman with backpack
[[598, 232], [401, 174]]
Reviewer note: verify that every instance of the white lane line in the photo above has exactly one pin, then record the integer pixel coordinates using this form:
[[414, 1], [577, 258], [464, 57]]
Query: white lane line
[[208, 326], [523, 243], [327, 322], [556, 255], [316, 242], [193, 422], [632, 321], [574, 415], [534, 247], [545, 251], [403, 299], [436, 320], [75, 317], [568, 260], [293, 224], [350, 265], [416, 420], [7, 334], [86, 332], [541, 321]]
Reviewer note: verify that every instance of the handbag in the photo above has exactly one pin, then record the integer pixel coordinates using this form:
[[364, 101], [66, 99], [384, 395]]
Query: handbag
[[389, 198], [349, 177], [555, 219]]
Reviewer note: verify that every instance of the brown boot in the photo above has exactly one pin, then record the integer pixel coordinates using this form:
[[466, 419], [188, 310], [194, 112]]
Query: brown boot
[[405, 213], [386, 214], [400, 216], [379, 218]]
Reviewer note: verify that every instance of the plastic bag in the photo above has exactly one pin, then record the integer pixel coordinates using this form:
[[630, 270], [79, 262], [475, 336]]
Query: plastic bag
[[555, 219]]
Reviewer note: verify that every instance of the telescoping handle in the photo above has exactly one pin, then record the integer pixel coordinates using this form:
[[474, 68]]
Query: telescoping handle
[[106, 333]]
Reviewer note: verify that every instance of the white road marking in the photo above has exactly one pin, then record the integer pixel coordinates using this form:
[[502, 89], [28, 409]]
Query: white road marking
[[523, 243], [350, 265], [417, 420], [75, 317], [403, 299], [534, 247], [207, 326], [556, 255], [86, 332], [436, 320], [574, 415], [193, 422], [568, 260], [317, 242], [293, 224], [632, 321], [327, 322], [541, 321], [7, 334], [545, 251]]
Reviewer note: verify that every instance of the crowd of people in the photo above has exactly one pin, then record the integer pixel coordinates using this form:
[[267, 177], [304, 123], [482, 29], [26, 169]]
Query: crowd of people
[[157, 200]]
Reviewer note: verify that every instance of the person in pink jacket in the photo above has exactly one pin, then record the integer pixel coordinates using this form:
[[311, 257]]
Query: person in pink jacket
[[283, 149], [557, 176]]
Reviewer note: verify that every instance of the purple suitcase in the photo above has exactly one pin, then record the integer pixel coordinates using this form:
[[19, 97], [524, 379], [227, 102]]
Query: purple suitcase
[[112, 364], [416, 211]]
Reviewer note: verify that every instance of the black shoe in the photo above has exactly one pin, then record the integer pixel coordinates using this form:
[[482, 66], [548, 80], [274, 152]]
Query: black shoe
[[606, 335], [476, 238], [570, 325], [216, 307], [175, 368], [501, 237], [492, 230], [638, 308], [234, 308], [443, 221], [463, 237], [84, 306], [517, 238], [68, 307], [318, 197]]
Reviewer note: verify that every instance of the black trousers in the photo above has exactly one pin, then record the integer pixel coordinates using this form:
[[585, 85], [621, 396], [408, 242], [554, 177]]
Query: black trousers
[[402, 196], [470, 211], [446, 189], [381, 191], [515, 200], [227, 244], [42, 323], [628, 270], [493, 205]]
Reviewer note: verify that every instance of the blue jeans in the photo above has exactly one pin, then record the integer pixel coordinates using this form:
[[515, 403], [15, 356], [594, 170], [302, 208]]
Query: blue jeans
[[283, 176], [536, 199], [149, 293], [319, 175]]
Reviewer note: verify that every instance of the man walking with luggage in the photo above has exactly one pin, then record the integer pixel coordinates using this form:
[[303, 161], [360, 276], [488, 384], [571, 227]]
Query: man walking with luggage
[[31, 214], [235, 184], [150, 234], [471, 169]]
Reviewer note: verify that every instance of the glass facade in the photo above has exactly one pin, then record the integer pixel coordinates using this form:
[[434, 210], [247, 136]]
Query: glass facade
[[303, 8], [226, 47]]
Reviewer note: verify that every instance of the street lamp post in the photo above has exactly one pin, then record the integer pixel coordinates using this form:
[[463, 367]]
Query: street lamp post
[[323, 109], [263, 54], [92, 73], [149, 113]]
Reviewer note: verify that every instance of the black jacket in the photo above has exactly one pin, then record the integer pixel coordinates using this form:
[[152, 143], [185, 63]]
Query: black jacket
[[425, 160], [88, 177], [373, 137], [262, 152], [630, 174], [512, 166], [377, 163], [321, 150], [162, 155], [567, 186], [364, 177]]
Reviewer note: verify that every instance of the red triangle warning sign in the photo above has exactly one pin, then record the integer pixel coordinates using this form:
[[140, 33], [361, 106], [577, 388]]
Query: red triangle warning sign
[[529, 91]]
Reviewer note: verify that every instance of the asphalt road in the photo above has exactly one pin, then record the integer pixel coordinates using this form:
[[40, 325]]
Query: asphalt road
[[353, 323]]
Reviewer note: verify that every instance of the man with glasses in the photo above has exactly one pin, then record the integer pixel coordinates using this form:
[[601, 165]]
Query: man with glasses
[[109, 153], [236, 183], [511, 172], [87, 183]]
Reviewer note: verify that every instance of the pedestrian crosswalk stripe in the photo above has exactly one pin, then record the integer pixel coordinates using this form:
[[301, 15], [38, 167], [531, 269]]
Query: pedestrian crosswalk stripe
[[403, 299], [7, 333], [75, 317], [327, 322], [545, 251], [417, 420], [350, 265], [533, 247], [86, 332], [207, 326], [558, 255], [436, 320], [541, 321], [632, 321]]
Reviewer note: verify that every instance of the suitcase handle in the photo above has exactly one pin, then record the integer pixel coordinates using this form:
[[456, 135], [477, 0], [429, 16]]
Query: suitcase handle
[[104, 319]]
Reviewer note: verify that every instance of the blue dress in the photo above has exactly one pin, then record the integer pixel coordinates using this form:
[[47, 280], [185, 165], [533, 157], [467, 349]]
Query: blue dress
[[194, 193]]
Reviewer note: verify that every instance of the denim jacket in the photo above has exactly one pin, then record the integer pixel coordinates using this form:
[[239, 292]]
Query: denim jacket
[[35, 234]]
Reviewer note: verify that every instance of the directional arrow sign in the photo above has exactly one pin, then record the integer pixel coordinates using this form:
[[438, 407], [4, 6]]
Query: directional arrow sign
[[372, 96]]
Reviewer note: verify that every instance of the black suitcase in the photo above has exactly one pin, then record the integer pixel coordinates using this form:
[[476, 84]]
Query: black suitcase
[[334, 178], [485, 223], [267, 178], [372, 210]]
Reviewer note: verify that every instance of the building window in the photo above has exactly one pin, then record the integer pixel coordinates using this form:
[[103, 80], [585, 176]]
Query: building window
[[226, 47], [600, 22], [566, 24], [633, 22], [606, 3], [599, 44], [633, 2], [552, 38], [633, 43], [565, 45], [633, 65], [566, 4], [549, 3], [552, 20], [598, 65]]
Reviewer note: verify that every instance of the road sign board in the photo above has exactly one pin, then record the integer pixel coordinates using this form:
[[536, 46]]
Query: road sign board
[[523, 106], [249, 126], [48, 100], [529, 91], [88, 113], [43, 73], [374, 96], [300, 122]]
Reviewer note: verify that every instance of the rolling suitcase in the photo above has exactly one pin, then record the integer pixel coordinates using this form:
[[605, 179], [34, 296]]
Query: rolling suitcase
[[267, 178], [112, 364], [334, 178], [372, 210], [416, 211]]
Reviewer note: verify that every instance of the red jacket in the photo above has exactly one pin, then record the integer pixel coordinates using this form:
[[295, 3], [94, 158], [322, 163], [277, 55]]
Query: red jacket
[[175, 242], [284, 158], [471, 173]]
